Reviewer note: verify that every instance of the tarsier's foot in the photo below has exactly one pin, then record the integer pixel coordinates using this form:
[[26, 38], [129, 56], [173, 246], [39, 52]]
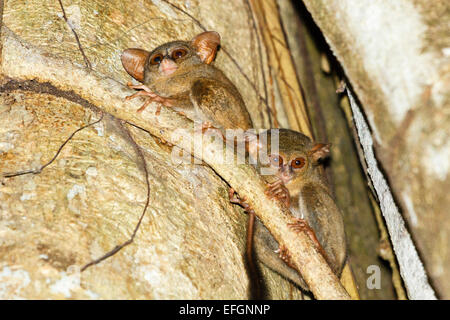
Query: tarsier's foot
[[278, 191], [138, 87], [145, 91], [301, 225], [234, 198]]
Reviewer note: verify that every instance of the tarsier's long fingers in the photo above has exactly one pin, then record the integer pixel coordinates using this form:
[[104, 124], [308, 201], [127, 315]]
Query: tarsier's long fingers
[[209, 126], [234, 198], [276, 182], [139, 87], [164, 101], [284, 255], [300, 225], [278, 191], [145, 91], [281, 196], [146, 103], [158, 110], [137, 94], [150, 97]]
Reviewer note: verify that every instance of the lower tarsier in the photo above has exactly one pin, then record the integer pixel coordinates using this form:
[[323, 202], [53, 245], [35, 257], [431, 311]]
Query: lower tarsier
[[180, 75]]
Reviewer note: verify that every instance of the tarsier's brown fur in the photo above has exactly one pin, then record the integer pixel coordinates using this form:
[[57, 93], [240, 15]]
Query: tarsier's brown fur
[[179, 74]]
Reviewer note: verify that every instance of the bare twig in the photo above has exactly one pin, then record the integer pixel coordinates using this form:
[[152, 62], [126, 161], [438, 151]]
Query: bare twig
[[119, 247]]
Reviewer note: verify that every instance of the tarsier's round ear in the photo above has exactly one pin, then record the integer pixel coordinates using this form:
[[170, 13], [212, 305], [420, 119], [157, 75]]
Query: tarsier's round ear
[[319, 151], [133, 61], [206, 44]]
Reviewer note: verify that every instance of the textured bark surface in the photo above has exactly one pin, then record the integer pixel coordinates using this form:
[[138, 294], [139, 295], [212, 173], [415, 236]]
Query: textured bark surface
[[191, 242], [90, 200], [396, 58]]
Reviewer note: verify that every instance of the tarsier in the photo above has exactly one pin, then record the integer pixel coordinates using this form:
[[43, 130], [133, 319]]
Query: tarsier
[[180, 75], [298, 183]]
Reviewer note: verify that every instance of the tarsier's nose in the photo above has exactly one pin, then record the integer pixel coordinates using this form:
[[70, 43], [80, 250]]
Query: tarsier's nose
[[167, 66], [285, 173]]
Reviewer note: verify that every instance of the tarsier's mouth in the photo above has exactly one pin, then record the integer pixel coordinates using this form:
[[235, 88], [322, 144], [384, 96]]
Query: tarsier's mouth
[[167, 67], [286, 180], [168, 71]]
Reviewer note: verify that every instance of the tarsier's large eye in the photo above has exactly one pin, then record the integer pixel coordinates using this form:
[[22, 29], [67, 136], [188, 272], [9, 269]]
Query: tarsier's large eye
[[276, 160], [178, 53], [298, 163], [156, 59]]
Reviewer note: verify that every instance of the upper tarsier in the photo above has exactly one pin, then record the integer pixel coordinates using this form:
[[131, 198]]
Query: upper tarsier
[[179, 74]]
